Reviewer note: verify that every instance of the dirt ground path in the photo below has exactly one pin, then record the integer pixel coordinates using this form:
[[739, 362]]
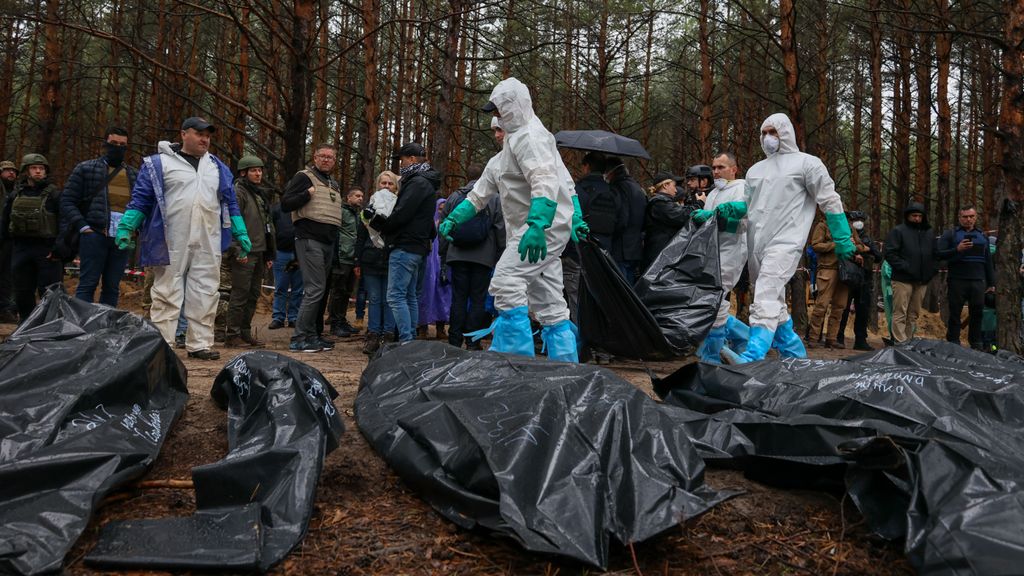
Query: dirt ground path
[[367, 522]]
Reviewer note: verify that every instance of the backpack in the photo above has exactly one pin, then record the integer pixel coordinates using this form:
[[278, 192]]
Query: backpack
[[473, 232]]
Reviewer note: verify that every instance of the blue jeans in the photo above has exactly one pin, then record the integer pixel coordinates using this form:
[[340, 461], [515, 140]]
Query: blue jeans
[[381, 320], [100, 257], [286, 304], [403, 291]]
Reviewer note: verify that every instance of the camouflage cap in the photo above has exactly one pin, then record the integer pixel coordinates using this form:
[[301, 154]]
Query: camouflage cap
[[7, 165]]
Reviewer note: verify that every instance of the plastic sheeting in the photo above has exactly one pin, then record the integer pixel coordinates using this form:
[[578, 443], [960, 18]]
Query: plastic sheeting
[[682, 288], [928, 438], [87, 396], [254, 506], [558, 456], [670, 309]]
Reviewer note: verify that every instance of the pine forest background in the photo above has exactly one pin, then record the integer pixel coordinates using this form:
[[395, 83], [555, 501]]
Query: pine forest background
[[902, 99]]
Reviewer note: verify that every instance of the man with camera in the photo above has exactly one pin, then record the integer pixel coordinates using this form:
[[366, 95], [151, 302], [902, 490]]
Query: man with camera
[[971, 274]]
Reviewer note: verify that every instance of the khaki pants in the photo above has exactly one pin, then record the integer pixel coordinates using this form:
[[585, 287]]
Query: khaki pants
[[906, 303], [831, 294]]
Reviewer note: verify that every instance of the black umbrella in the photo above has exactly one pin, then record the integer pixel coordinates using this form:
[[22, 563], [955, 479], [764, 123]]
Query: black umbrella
[[601, 141]]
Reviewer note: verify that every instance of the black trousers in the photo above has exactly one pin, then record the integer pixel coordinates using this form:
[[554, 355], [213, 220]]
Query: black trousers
[[6, 302], [863, 299], [33, 272], [342, 281], [469, 291], [971, 292]]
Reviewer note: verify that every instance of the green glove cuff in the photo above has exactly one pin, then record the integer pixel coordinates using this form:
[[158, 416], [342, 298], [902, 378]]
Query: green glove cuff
[[462, 213], [238, 227], [542, 212], [732, 210], [840, 230], [131, 221], [576, 206]]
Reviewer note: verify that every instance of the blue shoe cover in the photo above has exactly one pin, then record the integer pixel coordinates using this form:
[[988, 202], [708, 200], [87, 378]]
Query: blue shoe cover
[[787, 342], [757, 346], [512, 333], [560, 341], [736, 333], [710, 350]]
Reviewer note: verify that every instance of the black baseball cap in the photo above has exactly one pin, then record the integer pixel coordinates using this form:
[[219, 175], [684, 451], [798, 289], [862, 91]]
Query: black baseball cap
[[489, 107], [198, 124], [410, 149]]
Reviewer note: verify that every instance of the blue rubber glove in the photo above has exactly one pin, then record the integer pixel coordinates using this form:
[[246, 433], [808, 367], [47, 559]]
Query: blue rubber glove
[[580, 230], [700, 216], [462, 213], [533, 246], [240, 234], [129, 223], [840, 230]]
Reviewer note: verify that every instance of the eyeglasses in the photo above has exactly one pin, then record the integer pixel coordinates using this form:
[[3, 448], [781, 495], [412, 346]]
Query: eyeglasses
[[325, 157]]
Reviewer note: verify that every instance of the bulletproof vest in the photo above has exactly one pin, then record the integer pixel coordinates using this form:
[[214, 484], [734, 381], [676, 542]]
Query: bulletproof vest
[[325, 204], [30, 218]]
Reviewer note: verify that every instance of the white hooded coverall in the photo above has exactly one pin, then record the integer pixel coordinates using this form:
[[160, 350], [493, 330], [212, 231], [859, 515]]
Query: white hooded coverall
[[528, 166], [782, 192], [194, 225], [732, 246]]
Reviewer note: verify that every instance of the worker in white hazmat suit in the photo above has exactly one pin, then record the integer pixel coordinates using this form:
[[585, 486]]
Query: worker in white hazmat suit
[[186, 198], [541, 212], [781, 194], [726, 200]]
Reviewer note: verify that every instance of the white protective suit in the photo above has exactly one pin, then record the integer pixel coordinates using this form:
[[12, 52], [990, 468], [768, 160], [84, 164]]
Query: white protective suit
[[528, 166], [193, 215], [782, 192], [732, 247]]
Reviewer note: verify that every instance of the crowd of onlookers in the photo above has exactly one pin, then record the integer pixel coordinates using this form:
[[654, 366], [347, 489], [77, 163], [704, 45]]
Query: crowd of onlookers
[[208, 235]]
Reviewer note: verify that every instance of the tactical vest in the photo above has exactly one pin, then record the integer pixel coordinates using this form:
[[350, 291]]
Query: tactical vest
[[324, 206], [30, 218]]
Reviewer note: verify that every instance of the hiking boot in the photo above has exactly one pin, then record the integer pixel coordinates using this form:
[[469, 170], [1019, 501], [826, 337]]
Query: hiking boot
[[235, 341], [341, 331], [421, 332], [835, 345], [291, 323], [205, 355], [305, 346], [275, 325], [371, 343], [474, 345], [862, 345], [388, 337], [179, 341], [325, 344]]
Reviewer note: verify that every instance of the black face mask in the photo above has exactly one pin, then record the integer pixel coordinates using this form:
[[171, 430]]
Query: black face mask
[[114, 154]]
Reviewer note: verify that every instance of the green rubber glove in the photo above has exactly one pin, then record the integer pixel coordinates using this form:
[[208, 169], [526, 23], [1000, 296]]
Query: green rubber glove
[[239, 232], [580, 230], [533, 246], [732, 210], [840, 230], [700, 216], [129, 223], [462, 213]]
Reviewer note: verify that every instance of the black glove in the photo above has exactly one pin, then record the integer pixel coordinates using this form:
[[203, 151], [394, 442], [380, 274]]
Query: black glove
[[291, 266]]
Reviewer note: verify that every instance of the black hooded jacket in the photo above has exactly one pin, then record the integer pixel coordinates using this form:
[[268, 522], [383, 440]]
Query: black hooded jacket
[[910, 249]]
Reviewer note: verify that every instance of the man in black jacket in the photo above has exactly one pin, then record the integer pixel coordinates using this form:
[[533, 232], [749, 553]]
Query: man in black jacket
[[408, 233], [910, 251], [314, 199], [970, 276], [92, 204], [287, 275], [627, 247], [665, 216]]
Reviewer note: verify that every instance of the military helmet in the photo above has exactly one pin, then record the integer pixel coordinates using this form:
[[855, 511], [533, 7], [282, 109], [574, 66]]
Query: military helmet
[[7, 165], [855, 215], [699, 171], [33, 159], [249, 161]]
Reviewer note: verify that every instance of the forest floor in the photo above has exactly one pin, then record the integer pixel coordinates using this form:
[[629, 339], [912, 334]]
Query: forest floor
[[366, 521]]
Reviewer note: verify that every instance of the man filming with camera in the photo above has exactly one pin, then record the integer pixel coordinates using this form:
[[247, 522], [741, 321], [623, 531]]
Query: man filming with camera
[[965, 249]]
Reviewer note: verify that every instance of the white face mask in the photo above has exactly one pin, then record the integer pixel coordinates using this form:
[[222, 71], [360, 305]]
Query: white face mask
[[858, 225], [770, 144], [720, 183]]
